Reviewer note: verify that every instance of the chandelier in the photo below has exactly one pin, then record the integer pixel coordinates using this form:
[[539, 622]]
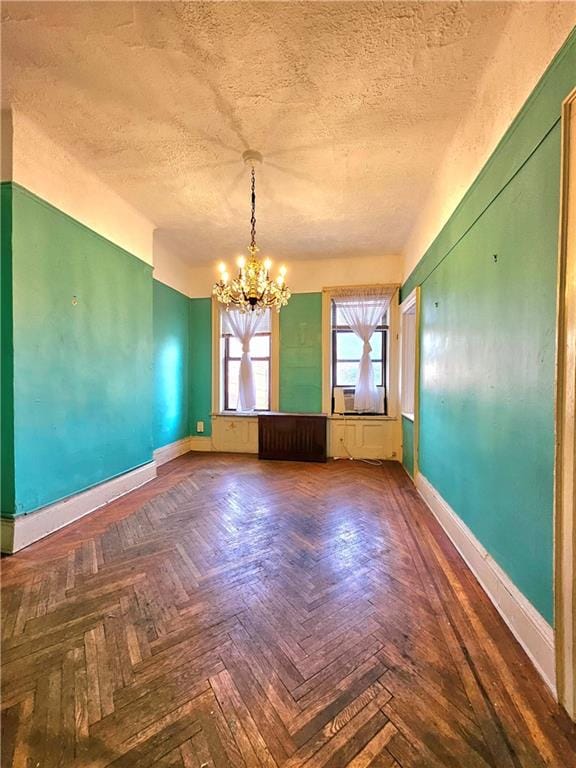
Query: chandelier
[[252, 290]]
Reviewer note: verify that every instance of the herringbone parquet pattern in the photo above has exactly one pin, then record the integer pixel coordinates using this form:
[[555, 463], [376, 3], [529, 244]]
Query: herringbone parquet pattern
[[244, 613]]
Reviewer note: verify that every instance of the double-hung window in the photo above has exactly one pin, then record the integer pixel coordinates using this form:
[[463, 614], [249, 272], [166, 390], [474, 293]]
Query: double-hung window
[[359, 327], [257, 376]]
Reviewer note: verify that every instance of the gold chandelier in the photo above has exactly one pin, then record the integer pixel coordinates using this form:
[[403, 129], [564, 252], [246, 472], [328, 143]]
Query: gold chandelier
[[252, 290]]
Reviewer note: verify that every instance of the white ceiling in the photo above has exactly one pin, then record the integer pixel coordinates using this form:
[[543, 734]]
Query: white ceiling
[[352, 105]]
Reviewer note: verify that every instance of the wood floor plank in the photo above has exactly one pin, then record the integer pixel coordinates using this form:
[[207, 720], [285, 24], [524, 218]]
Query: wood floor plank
[[234, 613]]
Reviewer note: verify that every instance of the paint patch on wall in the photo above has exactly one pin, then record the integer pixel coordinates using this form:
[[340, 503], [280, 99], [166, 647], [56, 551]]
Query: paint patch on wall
[[301, 354], [171, 311]]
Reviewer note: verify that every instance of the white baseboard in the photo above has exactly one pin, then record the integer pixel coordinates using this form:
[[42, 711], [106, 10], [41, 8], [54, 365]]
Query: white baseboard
[[23, 530], [531, 630], [180, 447], [171, 451]]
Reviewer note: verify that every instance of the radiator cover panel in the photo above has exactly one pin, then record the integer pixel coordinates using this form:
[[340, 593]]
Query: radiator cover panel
[[292, 436]]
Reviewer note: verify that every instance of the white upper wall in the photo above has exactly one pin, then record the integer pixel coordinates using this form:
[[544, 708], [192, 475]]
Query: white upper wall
[[311, 275], [52, 173], [525, 49], [169, 269]]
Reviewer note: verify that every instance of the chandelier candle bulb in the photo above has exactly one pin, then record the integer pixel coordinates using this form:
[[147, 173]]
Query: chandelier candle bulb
[[252, 290]]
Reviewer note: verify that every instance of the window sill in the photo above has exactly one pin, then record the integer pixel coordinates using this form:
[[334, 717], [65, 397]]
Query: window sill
[[237, 415], [361, 417], [333, 417]]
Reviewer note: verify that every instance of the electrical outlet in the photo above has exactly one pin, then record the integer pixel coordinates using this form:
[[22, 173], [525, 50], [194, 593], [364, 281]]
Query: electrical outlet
[[199, 426]]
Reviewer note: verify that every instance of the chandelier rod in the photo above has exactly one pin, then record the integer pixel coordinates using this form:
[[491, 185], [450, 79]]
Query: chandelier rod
[[253, 217]]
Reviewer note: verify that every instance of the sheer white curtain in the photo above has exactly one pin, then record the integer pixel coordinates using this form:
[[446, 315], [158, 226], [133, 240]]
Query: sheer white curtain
[[244, 325], [362, 314]]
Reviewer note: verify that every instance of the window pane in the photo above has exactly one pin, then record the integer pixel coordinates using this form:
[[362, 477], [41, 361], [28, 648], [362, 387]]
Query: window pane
[[235, 347], [261, 370], [376, 344], [348, 346], [346, 374], [233, 383], [262, 382], [260, 346]]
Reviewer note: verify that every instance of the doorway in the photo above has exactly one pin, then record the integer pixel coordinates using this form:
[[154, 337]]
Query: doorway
[[565, 476]]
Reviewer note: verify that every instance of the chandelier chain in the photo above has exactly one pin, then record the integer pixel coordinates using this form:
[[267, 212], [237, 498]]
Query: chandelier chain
[[253, 217], [253, 290]]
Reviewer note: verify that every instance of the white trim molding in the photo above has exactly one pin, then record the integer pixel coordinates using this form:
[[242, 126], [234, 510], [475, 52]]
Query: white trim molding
[[565, 456], [411, 356], [531, 630], [171, 451], [22, 530]]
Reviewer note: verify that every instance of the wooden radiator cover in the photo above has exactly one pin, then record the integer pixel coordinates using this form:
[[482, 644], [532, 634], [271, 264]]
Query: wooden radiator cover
[[292, 436]]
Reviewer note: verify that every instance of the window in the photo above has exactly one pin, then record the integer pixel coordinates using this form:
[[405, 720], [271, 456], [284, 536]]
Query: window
[[260, 344], [347, 348], [408, 361]]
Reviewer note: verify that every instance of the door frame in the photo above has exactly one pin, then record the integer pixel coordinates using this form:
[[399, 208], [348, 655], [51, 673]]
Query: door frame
[[411, 305], [565, 418]]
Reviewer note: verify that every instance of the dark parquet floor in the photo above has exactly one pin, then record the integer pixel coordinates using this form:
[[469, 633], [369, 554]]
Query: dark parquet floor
[[244, 613]]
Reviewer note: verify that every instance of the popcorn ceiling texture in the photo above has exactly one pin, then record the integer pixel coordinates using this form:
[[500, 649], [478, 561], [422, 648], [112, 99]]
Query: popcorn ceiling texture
[[352, 105]]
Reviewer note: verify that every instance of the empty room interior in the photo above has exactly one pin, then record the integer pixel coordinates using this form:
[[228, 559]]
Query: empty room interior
[[288, 321]]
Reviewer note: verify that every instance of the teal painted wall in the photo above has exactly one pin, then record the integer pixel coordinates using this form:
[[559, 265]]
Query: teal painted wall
[[83, 400], [301, 354], [487, 341], [171, 313], [408, 445], [201, 364], [7, 362]]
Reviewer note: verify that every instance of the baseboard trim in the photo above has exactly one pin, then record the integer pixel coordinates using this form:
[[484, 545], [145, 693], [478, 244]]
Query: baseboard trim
[[23, 530], [531, 630], [171, 451]]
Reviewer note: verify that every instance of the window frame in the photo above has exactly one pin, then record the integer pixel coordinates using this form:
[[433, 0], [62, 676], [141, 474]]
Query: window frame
[[217, 355], [227, 358], [335, 329], [392, 351]]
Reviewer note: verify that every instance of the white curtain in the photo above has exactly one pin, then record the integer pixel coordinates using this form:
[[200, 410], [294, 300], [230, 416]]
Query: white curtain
[[245, 325], [363, 314]]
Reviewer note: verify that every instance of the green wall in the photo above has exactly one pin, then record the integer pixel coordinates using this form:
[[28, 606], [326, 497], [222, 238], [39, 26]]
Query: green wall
[[201, 364], [7, 359], [171, 315], [408, 445], [487, 336], [82, 325], [301, 354]]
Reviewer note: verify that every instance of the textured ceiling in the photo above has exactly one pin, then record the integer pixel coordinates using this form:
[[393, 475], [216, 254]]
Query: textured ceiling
[[352, 105]]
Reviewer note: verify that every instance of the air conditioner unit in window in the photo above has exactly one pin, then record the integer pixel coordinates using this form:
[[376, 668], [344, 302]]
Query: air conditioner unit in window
[[343, 400]]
